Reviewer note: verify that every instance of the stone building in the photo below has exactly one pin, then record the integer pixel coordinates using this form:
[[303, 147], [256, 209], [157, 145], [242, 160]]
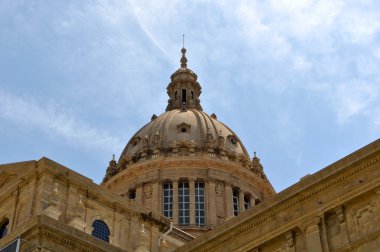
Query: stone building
[[185, 182]]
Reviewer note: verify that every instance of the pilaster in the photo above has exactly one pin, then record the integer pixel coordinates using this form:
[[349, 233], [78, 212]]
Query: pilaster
[[241, 202], [175, 201], [192, 200], [229, 205], [312, 233], [211, 200]]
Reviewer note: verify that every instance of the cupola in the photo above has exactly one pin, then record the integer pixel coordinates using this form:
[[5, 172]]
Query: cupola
[[184, 90]]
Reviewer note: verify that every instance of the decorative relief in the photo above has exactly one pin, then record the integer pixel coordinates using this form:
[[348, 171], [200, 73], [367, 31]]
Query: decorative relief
[[148, 191], [219, 189], [289, 239], [364, 219]]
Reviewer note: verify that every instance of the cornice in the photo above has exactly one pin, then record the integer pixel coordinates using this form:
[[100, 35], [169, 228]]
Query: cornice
[[283, 201]]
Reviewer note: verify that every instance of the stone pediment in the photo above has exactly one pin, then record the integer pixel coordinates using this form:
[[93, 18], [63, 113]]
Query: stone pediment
[[184, 144]]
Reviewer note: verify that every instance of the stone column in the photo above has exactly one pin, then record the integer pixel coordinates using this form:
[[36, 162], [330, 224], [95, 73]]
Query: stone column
[[324, 240], [175, 201], [313, 240], [192, 201], [241, 202], [211, 203], [229, 205]]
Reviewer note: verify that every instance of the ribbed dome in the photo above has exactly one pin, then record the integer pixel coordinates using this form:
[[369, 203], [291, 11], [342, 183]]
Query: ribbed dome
[[177, 130]]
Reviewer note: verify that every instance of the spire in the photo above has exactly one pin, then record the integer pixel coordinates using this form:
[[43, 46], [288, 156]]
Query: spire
[[183, 51], [183, 59]]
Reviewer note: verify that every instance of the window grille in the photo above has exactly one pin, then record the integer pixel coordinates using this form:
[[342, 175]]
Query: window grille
[[199, 204], [101, 230], [183, 203], [235, 201], [168, 200]]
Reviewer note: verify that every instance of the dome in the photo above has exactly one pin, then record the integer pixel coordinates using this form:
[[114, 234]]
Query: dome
[[188, 165], [184, 132]]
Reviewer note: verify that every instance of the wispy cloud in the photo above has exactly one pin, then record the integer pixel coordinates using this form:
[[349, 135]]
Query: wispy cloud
[[356, 98], [53, 120]]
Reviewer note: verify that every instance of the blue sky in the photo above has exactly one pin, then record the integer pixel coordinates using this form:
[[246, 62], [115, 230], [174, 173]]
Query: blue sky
[[298, 81]]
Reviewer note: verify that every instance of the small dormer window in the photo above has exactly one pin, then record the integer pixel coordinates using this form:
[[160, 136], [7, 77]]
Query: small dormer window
[[183, 128], [136, 141], [232, 140]]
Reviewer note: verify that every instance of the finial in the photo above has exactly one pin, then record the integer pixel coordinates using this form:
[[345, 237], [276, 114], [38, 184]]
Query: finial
[[113, 157], [183, 51], [254, 154]]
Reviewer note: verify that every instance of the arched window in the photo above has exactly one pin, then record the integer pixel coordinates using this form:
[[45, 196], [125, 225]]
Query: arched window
[[183, 203], [235, 201], [168, 200], [199, 204], [4, 228], [100, 230]]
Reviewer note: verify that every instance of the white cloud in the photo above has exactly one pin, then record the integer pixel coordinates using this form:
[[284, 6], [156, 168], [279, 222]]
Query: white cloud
[[53, 120], [355, 98], [301, 64]]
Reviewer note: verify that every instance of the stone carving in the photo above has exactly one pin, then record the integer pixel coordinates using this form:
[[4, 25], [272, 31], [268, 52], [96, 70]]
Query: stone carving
[[157, 139], [52, 208], [219, 189], [146, 142], [148, 191], [289, 239], [363, 218]]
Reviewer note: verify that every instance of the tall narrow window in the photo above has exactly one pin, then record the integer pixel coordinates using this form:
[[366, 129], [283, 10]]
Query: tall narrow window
[[168, 200], [199, 204], [100, 230], [247, 202], [4, 228], [183, 95], [183, 203], [235, 201]]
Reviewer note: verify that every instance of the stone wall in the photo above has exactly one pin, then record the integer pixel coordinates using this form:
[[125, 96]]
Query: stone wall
[[45, 188], [335, 209]]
